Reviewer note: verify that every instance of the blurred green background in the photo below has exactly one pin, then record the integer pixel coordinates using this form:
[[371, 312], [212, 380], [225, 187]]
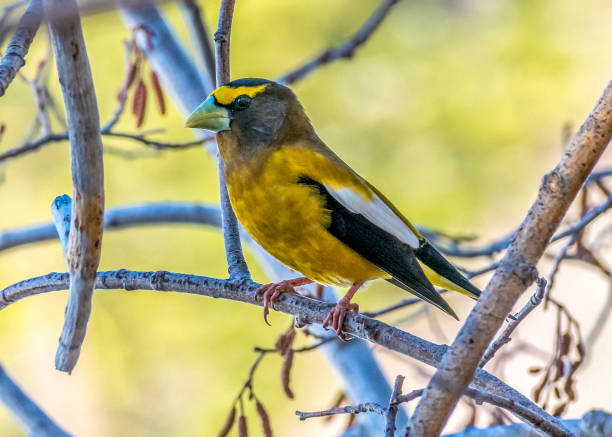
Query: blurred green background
[[453, 109]]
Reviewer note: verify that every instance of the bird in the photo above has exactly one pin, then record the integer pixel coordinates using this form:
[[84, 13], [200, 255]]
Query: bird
[[306, 207]]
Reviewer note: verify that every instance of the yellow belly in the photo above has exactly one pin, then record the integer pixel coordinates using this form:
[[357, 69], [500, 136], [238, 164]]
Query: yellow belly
[[288, 220]]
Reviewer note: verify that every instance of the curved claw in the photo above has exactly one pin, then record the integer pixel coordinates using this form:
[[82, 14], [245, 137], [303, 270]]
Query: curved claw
[[270, 294], [336, 316]]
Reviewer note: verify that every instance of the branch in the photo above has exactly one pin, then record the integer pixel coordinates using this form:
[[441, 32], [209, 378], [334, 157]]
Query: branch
[[84, 244], [516, 271], [305, 310], [26, 411], [139, 138], [18, 46], [368, 407], [124, 216], [594, 424], [479, 397], [391, 413], [236, 264], [199, 36], [504, 338], [345, 50]]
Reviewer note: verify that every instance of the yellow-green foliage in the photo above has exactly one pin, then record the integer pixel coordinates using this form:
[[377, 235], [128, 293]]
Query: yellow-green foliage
[[453, 109]]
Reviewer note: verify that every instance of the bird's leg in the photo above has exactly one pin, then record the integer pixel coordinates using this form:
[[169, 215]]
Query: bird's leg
[[336, 316], [273, 290]]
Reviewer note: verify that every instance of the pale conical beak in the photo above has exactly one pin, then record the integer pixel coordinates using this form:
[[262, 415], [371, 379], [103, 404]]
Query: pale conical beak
[[209, 116]]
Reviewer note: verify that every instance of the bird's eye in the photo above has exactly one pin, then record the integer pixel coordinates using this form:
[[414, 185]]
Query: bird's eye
[[242, 102]]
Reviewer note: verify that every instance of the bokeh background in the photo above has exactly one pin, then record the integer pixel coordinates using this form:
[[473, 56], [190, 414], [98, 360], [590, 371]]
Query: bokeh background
[[454, 109]]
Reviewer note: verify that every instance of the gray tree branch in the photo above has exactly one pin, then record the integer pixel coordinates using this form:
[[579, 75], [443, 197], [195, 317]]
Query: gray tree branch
[[346, 50], [305, 310], [32, 418], [14, 57], [594, 424], [236, 264], [516, 271], [84, 244], [200, 37]]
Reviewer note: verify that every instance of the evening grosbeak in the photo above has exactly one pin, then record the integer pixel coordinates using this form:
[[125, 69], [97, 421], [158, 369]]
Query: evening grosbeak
[[308, 208]]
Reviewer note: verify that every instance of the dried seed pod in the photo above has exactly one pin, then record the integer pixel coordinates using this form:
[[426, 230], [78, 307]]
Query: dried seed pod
[[229, 423], [128, 82], [581, 349], [2, 128], [242, 427], [286, 373], [557, 392], [559, 370], [559, 410], [350, 421], [564, 344], [159, 94], [265, 419], [285, 341], [140, 102], [131, 76], [534, 370], [568, 388], [538, 390]]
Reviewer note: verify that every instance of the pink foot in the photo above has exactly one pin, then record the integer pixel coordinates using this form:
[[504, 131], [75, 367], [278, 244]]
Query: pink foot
[[271, 292], [336, 316]]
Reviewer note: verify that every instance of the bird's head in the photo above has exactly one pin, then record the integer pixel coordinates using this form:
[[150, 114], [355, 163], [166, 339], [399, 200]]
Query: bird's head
[[257, 109]]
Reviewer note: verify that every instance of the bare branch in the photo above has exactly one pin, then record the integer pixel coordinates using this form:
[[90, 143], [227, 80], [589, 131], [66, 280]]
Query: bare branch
[[305, 310], [504, 338], [516, 271], [391, 413], [120, 217], [199, 36], [33, 419], [585, 220], [594, 424], [14, 57], [368, 407], [84, 245], [345, 50], [236, 264]]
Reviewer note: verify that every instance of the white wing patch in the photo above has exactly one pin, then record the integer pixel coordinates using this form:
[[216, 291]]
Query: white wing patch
[[377, 212]]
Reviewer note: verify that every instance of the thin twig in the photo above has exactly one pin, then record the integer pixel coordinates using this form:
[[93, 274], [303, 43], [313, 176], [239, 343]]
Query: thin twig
[[504, 337], [368, 407], [393, 406], [84, 245], [345, 50], [14, 57], [585, 220], [141, 138], [200, 36], [236, 264]]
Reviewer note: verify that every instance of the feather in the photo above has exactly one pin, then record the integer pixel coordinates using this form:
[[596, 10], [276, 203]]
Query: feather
[[378, 246]]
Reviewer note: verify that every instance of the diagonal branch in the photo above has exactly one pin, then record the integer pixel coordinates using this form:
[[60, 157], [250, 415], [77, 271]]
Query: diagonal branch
[[236, 264], [305, 310], [516, 270], [199, 34], [26, 411], [345, 50], [84, 244], [18, 47]]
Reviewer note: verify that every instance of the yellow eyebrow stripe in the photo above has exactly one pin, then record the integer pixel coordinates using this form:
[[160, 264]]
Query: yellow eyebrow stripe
[[226, 94]]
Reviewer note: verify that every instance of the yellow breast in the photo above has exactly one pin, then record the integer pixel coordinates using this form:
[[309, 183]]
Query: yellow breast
[[289, 219]]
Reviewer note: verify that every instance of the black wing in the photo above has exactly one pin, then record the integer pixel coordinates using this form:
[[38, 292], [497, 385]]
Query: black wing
[[379, 247]]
